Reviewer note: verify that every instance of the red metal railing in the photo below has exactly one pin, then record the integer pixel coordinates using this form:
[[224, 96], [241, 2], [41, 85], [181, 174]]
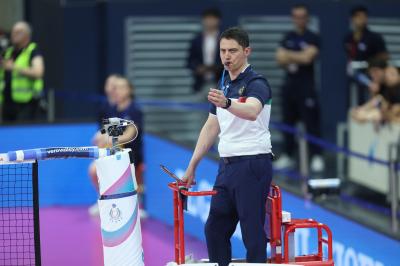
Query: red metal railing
[[179, 189]]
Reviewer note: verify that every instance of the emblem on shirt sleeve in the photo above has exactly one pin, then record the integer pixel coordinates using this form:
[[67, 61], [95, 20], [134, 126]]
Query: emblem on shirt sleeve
[[242, 99], [241, 91]]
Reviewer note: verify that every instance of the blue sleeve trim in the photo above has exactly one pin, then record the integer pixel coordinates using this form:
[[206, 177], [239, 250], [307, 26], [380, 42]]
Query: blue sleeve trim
[[259, 89]]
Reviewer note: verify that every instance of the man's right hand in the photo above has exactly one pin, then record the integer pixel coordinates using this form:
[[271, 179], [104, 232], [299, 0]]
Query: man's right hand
[[189, 177]]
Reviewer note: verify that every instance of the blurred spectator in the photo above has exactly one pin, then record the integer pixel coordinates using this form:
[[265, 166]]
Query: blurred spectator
[[203, 59], [361, 44], [21, 76], [376, 72], [391, 80], [385, 105], [391, 94], [120, 92], [296, 54]]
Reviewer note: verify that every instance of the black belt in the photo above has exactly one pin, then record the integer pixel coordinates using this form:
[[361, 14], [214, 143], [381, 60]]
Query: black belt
[[234, 159]]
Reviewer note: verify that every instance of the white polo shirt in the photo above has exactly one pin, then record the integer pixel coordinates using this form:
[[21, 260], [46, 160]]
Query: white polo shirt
[[240, 136]]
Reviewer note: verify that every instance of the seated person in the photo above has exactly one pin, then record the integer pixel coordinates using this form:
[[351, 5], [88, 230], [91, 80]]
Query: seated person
[[126, 108], [391, 95], [375, 83], [384, 105], [376, 76]]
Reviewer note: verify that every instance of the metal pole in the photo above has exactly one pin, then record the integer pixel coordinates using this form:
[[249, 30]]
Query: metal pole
[[394, 186], [303, 157], [176, 227], [50, 106]]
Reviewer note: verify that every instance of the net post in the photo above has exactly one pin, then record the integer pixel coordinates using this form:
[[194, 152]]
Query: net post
[[35, 195]]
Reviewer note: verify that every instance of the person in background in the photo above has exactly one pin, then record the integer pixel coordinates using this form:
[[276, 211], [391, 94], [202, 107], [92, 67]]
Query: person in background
[[376, 76], [385, 105], [4, 41], [296, 55], [362, 44], [21, 76], [392, 95], [375, 82], [203, 59], [120, 92], [109, 91], [391, 91]]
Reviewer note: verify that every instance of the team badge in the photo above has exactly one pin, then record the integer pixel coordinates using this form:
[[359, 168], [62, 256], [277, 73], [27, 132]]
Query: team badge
[[115, 214], [241, 91]]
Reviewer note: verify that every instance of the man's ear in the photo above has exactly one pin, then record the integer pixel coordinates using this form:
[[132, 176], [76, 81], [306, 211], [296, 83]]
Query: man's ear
[[247, 51]]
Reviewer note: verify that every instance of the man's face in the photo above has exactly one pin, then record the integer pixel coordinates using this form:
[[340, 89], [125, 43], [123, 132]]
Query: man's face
[[359, 20], [300, 18], [19, 34], [210, 23], [233, 56]]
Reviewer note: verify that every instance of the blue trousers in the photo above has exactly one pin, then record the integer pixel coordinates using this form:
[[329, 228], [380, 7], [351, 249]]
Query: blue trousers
[[243, 187]]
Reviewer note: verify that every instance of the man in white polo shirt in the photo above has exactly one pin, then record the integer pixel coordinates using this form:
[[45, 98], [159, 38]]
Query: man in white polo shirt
[[239, 114]]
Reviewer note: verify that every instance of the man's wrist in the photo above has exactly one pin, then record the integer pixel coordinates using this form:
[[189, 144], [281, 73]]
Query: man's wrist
[[228, 103]]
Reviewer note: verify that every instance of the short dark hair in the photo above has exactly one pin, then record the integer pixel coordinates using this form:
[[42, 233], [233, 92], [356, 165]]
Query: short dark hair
[[357, 9], [237, 34], [300, 5], [211, 12]]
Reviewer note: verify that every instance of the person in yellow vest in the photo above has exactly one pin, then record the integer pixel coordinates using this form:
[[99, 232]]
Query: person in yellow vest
[[21, 76]]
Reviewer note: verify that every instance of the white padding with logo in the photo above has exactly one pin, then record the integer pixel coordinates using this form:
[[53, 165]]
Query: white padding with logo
[[119, 211]]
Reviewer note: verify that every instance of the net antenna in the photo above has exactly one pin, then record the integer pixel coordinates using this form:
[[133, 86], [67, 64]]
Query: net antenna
[[114, 127]]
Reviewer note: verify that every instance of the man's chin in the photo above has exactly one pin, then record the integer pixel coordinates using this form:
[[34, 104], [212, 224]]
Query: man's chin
[[228, 67]]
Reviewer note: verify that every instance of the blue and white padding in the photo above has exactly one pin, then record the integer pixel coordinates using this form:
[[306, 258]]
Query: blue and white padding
[[119, 211], [53, 153]]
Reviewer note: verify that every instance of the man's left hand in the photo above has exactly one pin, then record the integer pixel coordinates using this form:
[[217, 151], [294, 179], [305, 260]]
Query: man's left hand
[[217, 98]]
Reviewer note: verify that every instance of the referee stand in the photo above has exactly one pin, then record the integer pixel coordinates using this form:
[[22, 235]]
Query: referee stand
[[277, 221]]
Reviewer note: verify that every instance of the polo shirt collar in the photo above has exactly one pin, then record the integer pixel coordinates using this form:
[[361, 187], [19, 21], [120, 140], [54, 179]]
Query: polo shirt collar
[[242, 74]]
